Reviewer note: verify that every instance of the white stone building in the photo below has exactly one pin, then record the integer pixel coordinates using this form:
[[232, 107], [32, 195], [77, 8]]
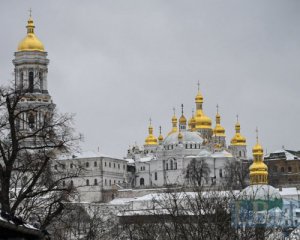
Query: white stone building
[[97, 175]]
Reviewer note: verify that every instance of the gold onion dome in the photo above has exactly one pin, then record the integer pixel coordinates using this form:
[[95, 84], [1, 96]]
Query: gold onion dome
[[202, 121], [238, 139], [150, 139], [31, 42], [219, 130], [174, 124], [180, 136], [192, 122], [258, 169]]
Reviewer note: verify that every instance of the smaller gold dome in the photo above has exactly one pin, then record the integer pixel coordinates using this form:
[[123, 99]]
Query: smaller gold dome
[[238, 139], [192, 123], [31, 42], [180, 136], [199, 98], [160, 137], [182, 120], [174, 124], [219, 131], [151, 139], [258, 169]]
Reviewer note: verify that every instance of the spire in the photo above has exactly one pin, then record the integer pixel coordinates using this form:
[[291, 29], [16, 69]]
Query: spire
[[174, 123], [182, 120], [160, 138], [151, 139], [192, 122], [258, 169]]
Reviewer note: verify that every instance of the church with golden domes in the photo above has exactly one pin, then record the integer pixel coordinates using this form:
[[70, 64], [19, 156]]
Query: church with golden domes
[[164, 160]]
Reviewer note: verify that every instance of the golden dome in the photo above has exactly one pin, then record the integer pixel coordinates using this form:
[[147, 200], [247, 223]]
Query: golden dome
[[192, 123], [219, 131], [258, 169], [204, 122], [31, 42], [180, 136], [174, 124], [151, 139], [238, 139], [199, 98]]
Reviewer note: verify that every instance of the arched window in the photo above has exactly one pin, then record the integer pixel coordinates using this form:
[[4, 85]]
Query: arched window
[[87, 164], [95, 181], [289, 169], [72, 184], [142, 182], [87, 182], [175, 164], [95, 164], [30, 87], [171, 163]]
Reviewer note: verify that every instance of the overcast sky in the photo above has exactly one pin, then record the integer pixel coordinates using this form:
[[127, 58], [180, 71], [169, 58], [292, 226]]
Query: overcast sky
[[115, 64]]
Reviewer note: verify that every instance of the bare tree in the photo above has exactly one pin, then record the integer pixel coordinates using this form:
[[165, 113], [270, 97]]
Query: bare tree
[[197, 172], [31, 137], [236, 175]]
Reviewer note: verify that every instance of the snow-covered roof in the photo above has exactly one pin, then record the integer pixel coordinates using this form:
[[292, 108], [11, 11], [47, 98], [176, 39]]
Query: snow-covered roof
[[288, 155], [147, 158], [188, 137], [85, 154], [129, 160], [222, 154], [204, 153]]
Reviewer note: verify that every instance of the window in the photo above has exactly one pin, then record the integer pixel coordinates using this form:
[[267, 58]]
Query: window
[[109, 164], [105, 164], [118, 166], [87, 164], [21, 80], [114, 165], [55, 167], [105, 182], [141, 168], [124, 166], [109, 182], [95, 181], [114, 181], [142, 182], [289, 169], [30, 88], [31, 120], [171, 163], [95, 164], [282, 169], [155, 176], [87, 182], [72, 184], [167, 166], [63, 166], [240, 153], [71, 165], [41, 80], [220, 173]]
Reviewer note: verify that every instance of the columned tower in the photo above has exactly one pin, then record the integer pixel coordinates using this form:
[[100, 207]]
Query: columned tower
[[31, 68]]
